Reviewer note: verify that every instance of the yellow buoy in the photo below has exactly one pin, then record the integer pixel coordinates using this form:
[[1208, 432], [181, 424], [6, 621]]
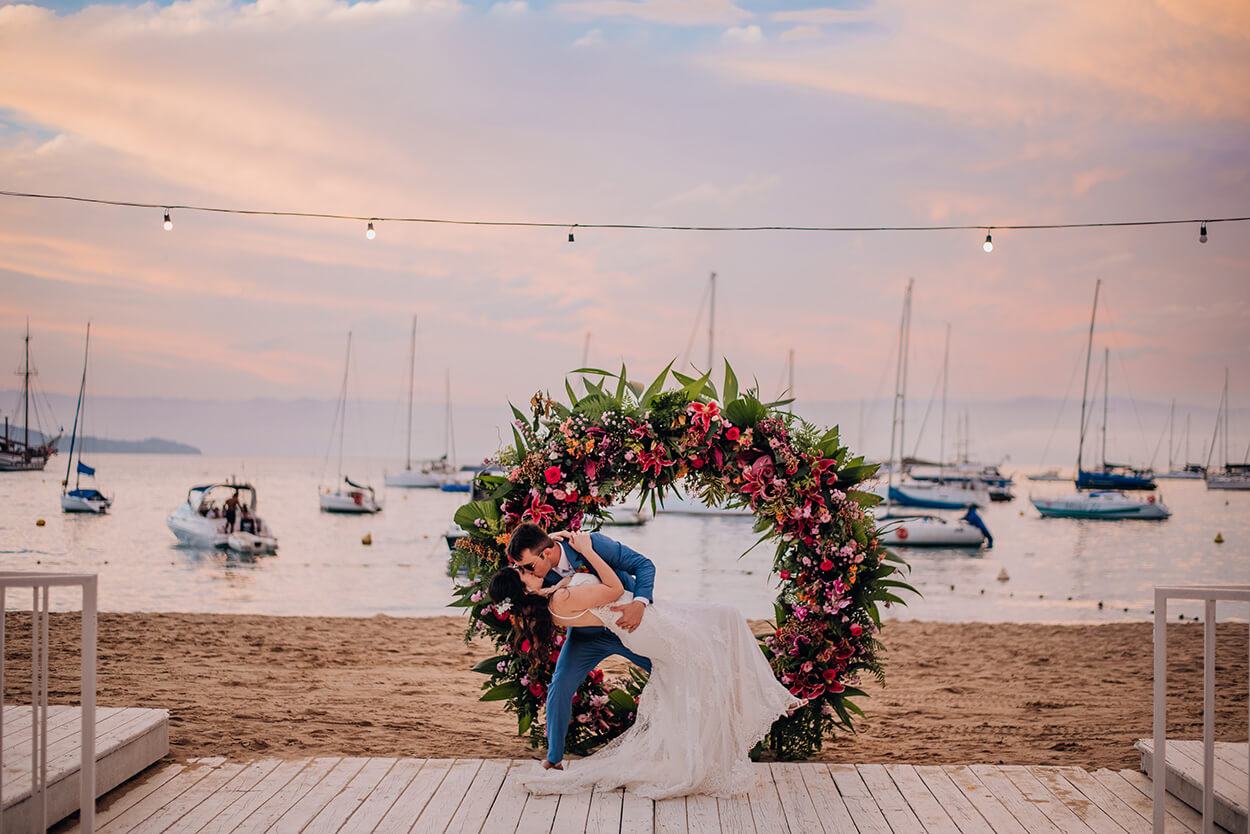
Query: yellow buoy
[[40, 523], [1219, 538], [1002, 575], [367, 539]]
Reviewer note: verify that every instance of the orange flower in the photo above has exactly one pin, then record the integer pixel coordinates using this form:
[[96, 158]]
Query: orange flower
[[503, 538]]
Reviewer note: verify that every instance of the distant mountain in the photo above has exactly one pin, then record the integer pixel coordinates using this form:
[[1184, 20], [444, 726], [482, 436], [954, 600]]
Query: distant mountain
[[103, 445]]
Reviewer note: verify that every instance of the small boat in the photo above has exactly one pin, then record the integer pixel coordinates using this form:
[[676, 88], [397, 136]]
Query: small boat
[[1048, 475], [430, 474], [626, 513], [241, 542], [938, 495], [1102, 504], [686, 505], [200, 520], [1190, 471], [1232, 475], [1111, 476], [23, 455], [80, 499], [903, 530], [354, 499], [455, 486], [349, 497]]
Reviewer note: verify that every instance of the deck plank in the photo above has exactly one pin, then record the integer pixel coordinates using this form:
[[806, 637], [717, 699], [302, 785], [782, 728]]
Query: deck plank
[[446, 800], [166, 792], [953, 801], [472, 813], [766, 804], [233, 817], [286, 796], [1072, 798], [888, 798], [225, 796], [796, 803], [539, 814], [1123, 813], [571, 814], [858, 800], [115, 803], [830, 809], [921, 800], [505, 813], [994, 810], [374, 808], [414, 798], [1021, 807], [735, 815], [1143, 805], [637, 814], [605, 812], [1188, 816], [670, 816], [182, 805], [310, 804], [339, 809], [702, 815]]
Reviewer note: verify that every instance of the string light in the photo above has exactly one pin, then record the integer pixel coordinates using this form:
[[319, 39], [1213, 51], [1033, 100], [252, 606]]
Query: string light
[[369, 232], [1202, 232], [168, 224], [571, 228], [621, 226], [988, 246]]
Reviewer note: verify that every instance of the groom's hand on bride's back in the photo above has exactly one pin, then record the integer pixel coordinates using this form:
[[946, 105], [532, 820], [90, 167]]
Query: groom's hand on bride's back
[[631, 614]]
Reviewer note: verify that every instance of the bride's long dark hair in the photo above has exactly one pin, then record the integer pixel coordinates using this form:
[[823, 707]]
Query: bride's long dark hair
[[530, 614]]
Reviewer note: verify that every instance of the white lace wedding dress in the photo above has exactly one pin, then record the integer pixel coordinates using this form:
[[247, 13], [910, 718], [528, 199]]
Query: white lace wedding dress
[[710, 698]]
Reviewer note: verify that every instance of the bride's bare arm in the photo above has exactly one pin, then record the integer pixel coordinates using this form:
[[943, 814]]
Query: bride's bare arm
[[582, 597]]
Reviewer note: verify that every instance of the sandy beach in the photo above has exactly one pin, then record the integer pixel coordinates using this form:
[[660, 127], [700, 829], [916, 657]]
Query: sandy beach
[[244, 686]]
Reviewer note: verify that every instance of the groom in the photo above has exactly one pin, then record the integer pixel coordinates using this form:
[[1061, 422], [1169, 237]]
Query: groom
[[532, 549]]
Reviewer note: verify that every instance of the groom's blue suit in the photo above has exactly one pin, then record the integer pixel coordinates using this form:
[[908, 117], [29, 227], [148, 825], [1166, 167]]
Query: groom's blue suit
[[585, 646]]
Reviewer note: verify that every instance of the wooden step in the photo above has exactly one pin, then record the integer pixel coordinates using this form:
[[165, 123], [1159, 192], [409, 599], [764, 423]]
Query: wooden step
[[1184, 777]]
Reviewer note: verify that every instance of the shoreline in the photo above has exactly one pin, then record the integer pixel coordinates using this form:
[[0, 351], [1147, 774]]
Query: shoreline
[[245, 686]]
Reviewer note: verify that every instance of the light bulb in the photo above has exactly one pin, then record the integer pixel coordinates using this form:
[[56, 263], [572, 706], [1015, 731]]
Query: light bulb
[[168, 224], [1202, 233], [571, 235], [989, 243], [369, 232]]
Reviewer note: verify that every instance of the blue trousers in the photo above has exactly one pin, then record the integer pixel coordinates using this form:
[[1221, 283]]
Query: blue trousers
[[583, 650]]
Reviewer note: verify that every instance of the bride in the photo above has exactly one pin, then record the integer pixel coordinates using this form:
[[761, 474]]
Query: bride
[[711, 695]]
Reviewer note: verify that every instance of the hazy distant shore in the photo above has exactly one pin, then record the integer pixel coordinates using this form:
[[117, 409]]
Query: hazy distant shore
[[243, 686]]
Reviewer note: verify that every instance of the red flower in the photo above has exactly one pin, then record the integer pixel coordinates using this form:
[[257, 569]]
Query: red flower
[[826, 565], [856, 629], [538, 511], [830, 674], [596, 675], [731, 433], [696, 462], [702, 415], [552, 474], [536, 689], [836, 687], [525, 646], [785, 574], [653, 459]]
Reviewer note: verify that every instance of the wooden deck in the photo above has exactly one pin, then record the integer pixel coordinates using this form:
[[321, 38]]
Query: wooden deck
[[127, 741], [474, 795], [1184, 777]]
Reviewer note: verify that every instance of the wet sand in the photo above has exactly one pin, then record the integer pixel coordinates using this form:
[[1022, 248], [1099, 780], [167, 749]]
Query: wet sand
[[243, 686]]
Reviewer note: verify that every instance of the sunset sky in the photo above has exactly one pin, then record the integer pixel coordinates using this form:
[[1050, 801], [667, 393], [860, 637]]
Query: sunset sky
[[704, 112]]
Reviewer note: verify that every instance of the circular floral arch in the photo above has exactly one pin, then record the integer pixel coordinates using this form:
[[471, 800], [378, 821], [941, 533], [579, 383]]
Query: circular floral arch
[[570, 463]]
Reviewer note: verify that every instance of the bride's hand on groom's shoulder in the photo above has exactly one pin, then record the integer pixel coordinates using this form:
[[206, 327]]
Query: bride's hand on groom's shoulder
[[580, 540]]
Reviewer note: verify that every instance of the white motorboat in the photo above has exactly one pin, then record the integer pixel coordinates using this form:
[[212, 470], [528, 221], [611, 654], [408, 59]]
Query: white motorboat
[[1048, 475], [413, 479], [1234, 476], [200, 520], [627, 513], [1192, 472], [352, 499], [1102, 504], [80, 499], [940, 495], [928, 531]]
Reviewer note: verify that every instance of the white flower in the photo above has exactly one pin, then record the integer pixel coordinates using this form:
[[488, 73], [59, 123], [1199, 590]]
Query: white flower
[[504, 607]]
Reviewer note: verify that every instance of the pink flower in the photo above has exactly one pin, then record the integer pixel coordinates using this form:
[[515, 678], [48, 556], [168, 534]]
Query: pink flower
[[856, 629], [552, 474], [826, 565], [732, 433]]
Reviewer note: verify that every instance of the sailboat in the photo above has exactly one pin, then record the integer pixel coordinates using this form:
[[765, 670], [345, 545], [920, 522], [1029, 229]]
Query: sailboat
[[940, 492], [21, 455], [1111, 475], [674, 503], [915, 529], [1233, 475], [1104, 503], [81, 499], [427, 475], [348, 496], [1190, 471]]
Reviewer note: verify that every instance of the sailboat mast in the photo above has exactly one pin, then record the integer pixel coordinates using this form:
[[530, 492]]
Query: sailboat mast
[[711, 325], [1227, 409], [82, 390], [1171, 428], [449, 439], [26, 393], [1186, 440], [412, 372], [1085, 388], [586, 351], [946, 356], [790, 387], [1219, 415], [343, 399], [1106, 398], [898, 385]]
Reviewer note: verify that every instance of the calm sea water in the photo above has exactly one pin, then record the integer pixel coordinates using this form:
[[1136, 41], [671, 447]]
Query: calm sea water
[[1059, 570]]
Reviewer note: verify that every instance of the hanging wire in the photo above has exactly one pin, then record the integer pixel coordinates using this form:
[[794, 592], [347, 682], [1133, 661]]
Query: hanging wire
[[634, 226]]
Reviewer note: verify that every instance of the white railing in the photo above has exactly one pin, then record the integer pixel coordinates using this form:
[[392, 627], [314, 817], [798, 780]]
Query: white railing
[[41, 585], [1209, 594]]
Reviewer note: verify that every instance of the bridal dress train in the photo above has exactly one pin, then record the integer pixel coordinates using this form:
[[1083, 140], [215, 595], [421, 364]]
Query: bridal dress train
[[711, 696]]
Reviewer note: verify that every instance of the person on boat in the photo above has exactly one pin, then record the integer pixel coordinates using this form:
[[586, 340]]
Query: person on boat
[[247, 523], [232, 509]]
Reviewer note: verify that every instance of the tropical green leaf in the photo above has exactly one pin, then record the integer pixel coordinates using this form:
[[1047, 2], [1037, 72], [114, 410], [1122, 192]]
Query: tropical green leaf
[[656, 386], [730, 388], [472, 511], [524, 720], [745, 411], [572, 394], [504, 692], [489, 665], [621, 385], [622, 699], [593, 371]]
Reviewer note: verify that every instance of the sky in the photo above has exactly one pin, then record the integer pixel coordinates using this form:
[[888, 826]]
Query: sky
[[669, 112]]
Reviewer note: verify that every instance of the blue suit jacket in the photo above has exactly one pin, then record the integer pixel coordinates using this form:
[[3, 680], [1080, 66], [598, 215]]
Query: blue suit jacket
[[636, 571]]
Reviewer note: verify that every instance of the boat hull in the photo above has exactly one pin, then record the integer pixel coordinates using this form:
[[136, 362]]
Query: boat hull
[[929, 531], [1182, 475], [241, 542], [77, 504], [1101, 506], [936, 497], [1114, 480], [413, 479], [1228, 482], [350, 503]]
